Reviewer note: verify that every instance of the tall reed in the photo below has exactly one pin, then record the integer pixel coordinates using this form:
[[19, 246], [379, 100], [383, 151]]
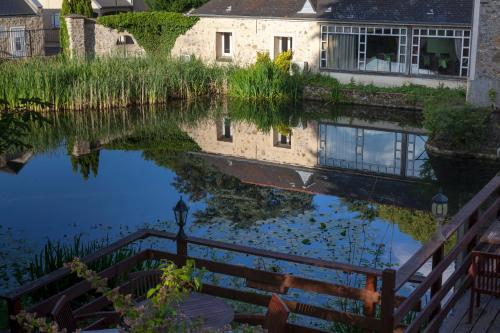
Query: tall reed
[[108, 82]]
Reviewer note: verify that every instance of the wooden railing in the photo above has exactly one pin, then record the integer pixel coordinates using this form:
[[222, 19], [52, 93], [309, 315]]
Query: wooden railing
[[466, 225], [393, 309], [256, 279]]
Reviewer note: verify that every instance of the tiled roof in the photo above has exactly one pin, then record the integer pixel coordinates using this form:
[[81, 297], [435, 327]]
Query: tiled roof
[[113, 3], [347, 185], [457, 12], [16, 8]]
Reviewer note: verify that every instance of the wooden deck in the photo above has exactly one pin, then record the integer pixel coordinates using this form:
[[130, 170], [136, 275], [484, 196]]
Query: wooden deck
[[486, 317]]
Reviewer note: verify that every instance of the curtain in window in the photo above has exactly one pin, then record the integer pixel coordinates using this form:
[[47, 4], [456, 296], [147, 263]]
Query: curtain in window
[[342, 52]]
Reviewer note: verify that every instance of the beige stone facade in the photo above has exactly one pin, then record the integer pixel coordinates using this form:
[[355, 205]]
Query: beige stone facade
[[87, 38], [249, 37], [21, 36], [250, 143]]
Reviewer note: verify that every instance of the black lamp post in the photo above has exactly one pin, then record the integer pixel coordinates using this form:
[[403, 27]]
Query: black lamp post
[[181, 211], [440, 209]]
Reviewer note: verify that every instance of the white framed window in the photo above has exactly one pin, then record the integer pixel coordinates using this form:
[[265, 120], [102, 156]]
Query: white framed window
[[440, 51], [224, 45], [282, 44], [364, 48], [224, 130], [55, 20], [18, 41], [283, 138]]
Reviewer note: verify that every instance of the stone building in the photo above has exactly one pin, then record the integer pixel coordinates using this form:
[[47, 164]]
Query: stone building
[[385, 42], [484, 83], [20, 29], [87, 38]]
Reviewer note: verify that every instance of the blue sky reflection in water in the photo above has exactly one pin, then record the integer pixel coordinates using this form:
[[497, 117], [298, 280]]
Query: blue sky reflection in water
[[47, 199]]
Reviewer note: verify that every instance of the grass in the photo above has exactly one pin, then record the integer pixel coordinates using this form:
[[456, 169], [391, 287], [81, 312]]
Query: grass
[[108, 82]]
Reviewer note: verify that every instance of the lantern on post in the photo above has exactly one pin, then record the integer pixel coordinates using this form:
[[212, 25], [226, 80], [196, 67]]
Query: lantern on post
[[181, 212], [440, 209]]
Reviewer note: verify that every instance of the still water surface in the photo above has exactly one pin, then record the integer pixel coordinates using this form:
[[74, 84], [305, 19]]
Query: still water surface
[[320, 183]]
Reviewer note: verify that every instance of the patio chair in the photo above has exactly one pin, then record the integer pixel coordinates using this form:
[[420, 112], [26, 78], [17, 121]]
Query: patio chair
[[65, 319], [275, 318], [485, 274]]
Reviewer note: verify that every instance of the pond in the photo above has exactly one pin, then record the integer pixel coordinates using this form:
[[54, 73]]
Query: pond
[[346, 184]]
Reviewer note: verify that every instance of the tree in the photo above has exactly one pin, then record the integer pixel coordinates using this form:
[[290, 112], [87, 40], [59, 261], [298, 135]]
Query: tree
[[80, 7], [179, 6]]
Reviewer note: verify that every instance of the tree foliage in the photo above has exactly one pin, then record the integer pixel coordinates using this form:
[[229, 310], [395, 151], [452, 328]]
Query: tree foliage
[[178, 6]]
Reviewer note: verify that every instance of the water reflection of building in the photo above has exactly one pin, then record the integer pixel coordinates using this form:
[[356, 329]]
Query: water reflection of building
[[13, 163], [375, 150], [378, 147]]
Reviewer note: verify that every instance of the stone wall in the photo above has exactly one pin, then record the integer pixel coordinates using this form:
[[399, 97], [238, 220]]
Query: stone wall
[[34, 37], [358, 97], [485, 62], [249, 37], [87, 38], [250, 143]]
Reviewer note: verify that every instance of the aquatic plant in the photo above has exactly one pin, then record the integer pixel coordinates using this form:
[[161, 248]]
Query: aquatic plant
[[107, 82]]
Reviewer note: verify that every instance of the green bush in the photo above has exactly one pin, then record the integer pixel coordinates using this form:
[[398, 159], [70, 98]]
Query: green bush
[[264, 80], [455, 125], [156, 32], [179, 6], [284, 60]]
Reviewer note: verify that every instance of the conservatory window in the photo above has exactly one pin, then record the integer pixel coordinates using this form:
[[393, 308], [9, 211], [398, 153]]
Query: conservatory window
[[440, 52], [378, 49]]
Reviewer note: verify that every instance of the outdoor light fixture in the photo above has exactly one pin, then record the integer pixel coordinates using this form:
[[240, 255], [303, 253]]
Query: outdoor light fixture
[[440, 209], [180, 212]]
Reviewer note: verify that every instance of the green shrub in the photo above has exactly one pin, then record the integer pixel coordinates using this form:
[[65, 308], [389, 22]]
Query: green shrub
[[156, 32], [264, 81], [284, 60], [263, 57], [455, 125], [179, 6]]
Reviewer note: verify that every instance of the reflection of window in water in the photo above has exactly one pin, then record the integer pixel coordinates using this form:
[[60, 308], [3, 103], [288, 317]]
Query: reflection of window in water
[[372, 150], [224, 132], [282, 138]]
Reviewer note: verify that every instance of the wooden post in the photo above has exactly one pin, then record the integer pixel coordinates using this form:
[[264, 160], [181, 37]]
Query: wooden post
[[182, 246], [14, 306], [388, 300], [472, 220], [437, 257], [368, 305]]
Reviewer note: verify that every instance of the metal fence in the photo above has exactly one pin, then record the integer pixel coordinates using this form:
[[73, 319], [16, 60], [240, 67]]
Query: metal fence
[[18, 42]]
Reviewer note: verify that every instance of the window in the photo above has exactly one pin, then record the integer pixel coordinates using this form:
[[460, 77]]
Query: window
[[379, 49], [55, 20], [224, 44], [283, 137], [440, 52], [282, 44], [224, 130]]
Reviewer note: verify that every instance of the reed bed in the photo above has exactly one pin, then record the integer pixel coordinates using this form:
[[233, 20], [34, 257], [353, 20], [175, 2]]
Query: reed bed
[[108, 82]]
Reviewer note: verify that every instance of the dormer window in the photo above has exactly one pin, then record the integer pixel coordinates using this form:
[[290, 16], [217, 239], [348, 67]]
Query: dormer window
[[307, 8]]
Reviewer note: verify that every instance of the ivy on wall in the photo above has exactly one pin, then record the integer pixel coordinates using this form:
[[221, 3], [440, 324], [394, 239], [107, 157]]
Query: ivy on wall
[[156, 32]]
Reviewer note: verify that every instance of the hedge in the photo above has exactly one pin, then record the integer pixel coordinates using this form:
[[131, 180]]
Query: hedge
[[156, 32]]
